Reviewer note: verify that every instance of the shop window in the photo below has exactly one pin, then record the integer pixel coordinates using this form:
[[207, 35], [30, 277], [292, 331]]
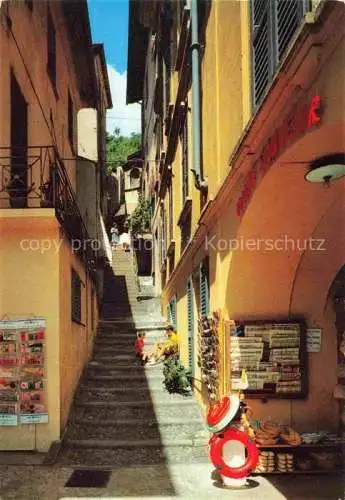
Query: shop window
[[172, 316], [70, 117], [51, 44], [204, 288], [273, 25], [76, 297]]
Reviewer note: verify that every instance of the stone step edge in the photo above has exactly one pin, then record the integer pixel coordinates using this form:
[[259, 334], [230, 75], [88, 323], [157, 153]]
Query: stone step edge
[[136, 404], [135, 421], [115, 390], [147, 443], [128, 378]]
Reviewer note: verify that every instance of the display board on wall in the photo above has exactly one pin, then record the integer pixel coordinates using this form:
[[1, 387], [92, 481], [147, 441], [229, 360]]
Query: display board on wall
[[273, 353], [22, 376]]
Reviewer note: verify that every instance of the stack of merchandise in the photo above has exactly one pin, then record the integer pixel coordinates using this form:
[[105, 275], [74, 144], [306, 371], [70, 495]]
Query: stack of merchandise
[[285, 462], [208, 354], [267, 434], [266, 462]]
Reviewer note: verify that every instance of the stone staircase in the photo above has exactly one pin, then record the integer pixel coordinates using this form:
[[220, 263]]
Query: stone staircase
[[122, 416]]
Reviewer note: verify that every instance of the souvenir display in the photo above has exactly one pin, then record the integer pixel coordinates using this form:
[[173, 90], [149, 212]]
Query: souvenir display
[[208, 354], [22, 372], [271, 354]]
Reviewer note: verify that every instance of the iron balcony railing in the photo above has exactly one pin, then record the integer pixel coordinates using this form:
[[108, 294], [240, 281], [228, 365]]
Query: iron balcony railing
[[36, 177]]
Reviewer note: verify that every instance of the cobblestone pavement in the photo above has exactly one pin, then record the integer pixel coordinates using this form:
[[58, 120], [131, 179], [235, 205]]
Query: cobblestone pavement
[[189, 482]]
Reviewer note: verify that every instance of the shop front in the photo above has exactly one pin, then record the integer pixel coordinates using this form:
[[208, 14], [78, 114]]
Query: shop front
[[283, 246]]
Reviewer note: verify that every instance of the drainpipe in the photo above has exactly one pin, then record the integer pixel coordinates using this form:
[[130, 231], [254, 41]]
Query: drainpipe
[[200, 184]]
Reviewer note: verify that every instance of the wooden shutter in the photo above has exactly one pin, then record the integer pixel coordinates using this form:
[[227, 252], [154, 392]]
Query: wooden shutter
[[172, 312], [288, 17], [190, 322], [262, 48], [204, 288]]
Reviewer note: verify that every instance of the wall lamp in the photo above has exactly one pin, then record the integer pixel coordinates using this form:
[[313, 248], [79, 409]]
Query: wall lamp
[[326, 169]]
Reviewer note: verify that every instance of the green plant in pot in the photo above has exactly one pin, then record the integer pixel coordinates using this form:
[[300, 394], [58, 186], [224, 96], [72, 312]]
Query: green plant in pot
[[176, 377]]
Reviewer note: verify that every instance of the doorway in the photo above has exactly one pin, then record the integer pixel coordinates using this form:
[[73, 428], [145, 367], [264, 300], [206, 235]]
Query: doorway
[[18, 187], [338, 300]]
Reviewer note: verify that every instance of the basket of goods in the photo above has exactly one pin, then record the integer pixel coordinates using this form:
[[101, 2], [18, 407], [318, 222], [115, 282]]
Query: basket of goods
[[312, 437], [324, 459], [291, 437], [267, 434]]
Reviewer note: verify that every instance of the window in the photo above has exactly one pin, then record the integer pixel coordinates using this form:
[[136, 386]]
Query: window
[[70, 117], [51, 40], [171, 310], [171, 215], [184, 159], [29, 4], [76, 297], [204, 288], [134, 178], [274, 23]]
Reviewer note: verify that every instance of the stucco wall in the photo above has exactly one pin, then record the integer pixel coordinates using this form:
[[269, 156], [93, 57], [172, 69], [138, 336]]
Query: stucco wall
[[30, 287]]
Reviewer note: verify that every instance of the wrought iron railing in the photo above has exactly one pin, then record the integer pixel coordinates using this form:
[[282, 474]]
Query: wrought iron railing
[[36, 177]]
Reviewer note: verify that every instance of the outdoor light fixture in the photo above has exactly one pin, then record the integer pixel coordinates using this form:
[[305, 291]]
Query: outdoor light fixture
[[327, 169]]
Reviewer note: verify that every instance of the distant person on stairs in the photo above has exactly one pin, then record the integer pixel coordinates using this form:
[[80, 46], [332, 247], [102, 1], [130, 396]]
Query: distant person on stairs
[[139, 347], [114, 231], [125, 239]]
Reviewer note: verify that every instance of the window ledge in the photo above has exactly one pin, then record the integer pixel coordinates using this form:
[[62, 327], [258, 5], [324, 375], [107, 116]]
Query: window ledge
[[186, 210], [78, 322]]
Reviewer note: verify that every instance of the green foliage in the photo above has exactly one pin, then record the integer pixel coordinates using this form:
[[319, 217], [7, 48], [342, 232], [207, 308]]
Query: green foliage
[[118, 148], [140, 220], [176, 378]]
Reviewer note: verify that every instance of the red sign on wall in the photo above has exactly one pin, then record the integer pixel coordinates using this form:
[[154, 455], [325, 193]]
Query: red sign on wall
[[298, 122]]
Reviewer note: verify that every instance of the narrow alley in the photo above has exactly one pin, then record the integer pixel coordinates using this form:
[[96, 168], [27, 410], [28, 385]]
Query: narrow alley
[[172, 270]]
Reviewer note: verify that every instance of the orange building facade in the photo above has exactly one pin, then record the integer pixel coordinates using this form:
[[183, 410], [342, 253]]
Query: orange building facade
[[48, 263]]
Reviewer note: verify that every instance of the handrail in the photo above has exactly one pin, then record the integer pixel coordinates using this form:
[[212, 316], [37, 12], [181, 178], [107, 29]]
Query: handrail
[[36, 177]]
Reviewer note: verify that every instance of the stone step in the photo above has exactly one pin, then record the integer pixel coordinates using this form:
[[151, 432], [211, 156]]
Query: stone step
[[125, 367], [123, 376], [125, 443], [123, 381], [89, 457], [93, 409], [138, 404], [139, 430], [158, 396]]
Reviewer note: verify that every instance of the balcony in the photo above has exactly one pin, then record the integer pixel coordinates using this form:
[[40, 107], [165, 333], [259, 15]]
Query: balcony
[[36, 177]]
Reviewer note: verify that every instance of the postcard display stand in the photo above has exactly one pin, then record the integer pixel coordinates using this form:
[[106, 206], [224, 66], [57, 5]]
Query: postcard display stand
[[274, 357], [22, 376]]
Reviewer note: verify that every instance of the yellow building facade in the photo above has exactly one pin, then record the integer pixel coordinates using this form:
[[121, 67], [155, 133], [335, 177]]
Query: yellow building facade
[[239, 246]]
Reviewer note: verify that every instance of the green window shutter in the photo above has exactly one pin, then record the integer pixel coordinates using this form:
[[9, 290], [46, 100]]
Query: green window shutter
[[190, 321], [204, 288], [172, 312]]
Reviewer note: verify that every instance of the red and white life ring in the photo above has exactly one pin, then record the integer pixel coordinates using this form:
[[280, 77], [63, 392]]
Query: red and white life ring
[[217, 442]]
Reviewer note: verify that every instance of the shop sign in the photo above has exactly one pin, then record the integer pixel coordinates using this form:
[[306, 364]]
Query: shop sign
[[41, 418], [313, 339], [8, 420], [298, 122]]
